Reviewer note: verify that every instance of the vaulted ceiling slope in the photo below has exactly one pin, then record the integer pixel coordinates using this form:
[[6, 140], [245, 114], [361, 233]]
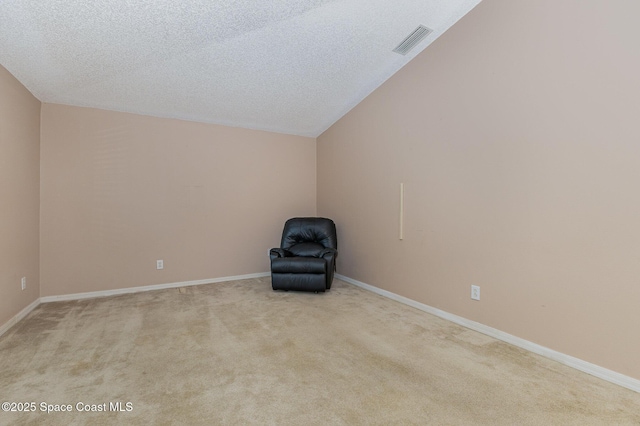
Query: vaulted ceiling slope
[[290, 66]]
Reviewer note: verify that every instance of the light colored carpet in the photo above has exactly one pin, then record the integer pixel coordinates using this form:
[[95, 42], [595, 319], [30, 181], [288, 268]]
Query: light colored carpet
[[239, 353]]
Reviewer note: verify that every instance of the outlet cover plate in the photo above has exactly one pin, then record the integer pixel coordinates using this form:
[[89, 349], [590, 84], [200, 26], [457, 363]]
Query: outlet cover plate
[[475, 292]]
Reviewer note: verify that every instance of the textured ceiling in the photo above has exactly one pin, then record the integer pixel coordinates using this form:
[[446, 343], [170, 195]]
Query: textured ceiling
[[291, 66]]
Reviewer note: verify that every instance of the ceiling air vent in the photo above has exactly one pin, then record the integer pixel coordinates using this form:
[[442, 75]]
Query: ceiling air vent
[[412, 39]]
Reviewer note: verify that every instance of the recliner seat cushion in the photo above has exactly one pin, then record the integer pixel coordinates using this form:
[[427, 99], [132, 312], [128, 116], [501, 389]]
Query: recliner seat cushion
[[299, 265], [306, 249]]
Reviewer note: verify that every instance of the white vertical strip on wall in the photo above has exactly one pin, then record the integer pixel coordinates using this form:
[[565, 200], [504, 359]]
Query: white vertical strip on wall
[[401, 210]]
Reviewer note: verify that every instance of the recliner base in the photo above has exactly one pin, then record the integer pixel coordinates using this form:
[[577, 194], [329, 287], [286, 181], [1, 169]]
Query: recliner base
[[299, 282]]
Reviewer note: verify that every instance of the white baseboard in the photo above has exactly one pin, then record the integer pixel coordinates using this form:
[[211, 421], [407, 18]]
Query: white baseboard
[[128, 290], [23, 313], [578, 364]]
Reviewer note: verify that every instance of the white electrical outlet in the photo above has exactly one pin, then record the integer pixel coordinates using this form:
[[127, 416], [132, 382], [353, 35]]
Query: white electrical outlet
[[159, 264], [23, 283], [475, 292]]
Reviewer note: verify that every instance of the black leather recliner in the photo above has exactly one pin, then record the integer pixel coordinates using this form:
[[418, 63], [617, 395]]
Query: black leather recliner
[[306, 259]]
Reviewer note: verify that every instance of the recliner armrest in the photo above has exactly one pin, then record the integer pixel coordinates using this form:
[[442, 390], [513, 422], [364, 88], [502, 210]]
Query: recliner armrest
[[327, 251], [275, 253], [329, 254]]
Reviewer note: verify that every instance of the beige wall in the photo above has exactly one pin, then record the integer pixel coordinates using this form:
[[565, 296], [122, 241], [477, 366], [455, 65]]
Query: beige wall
[[19, 196], [121, 190], [516, 134]]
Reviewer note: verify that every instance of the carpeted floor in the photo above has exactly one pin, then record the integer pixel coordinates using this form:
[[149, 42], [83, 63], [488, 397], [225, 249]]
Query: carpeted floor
[[239, 353]]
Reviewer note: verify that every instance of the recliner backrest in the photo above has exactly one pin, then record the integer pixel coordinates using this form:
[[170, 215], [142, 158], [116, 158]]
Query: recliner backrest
[[308, 236]]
